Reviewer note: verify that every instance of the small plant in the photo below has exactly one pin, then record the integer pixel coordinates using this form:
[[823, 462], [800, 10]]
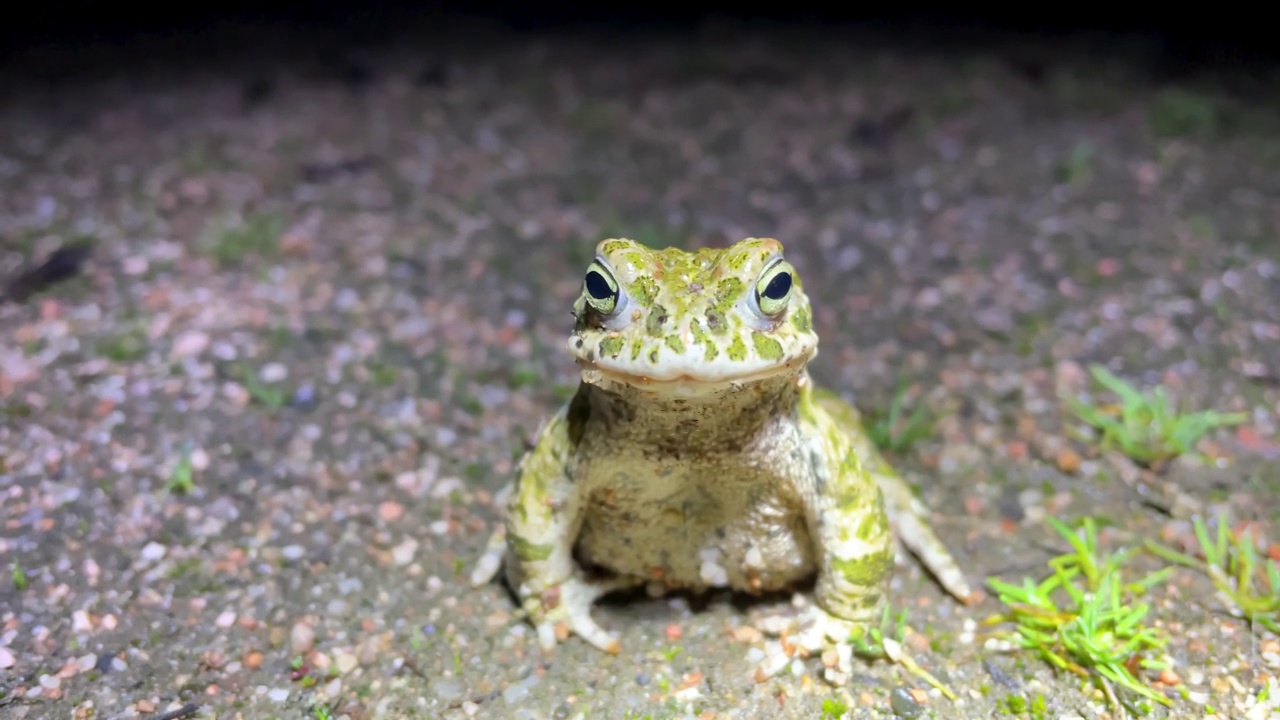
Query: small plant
[[1180, 113], [1249, 582], [18, 576], [271, 396], [1083, 618], [1017, 705], [1149, 428], [672, 653], [257, 235], [833, 709], [182, 479], [891, 433], [873, 643], [1079, 165]]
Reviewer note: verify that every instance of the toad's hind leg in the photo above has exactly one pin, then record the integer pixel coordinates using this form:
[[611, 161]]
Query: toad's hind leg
[[907, 514]]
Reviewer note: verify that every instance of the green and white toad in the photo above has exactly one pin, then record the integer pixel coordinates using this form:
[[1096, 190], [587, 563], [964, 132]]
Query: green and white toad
[[697, 453]]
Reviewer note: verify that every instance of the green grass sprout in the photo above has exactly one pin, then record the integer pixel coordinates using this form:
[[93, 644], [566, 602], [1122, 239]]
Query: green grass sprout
[[1248, 581], [874, 643], [1084, 618], [1149, 429], [891, 433]]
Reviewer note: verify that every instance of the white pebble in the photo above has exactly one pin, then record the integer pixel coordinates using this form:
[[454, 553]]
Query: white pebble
[[190, 343], [226, 619], [278, 694], [403, 553], [302, 638], [292, 552], [274, 372], [154, 551]]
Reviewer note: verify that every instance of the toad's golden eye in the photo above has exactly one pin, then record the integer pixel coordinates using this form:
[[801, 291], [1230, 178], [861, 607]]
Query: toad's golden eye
[[600, 289], [773, 289]]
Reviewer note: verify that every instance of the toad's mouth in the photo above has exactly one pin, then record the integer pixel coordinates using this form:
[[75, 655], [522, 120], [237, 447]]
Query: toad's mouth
[[686, 379]]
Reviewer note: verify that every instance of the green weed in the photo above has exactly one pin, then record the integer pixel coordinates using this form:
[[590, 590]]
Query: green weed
[[1231, 560], [1084, 618], [1149, 428], [892, 433]]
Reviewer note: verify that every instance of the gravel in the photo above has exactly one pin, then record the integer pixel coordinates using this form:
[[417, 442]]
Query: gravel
[[250, 444]]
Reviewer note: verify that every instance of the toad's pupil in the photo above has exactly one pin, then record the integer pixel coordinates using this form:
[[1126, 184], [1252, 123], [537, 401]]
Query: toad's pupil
[[779, 286], [598, 286]]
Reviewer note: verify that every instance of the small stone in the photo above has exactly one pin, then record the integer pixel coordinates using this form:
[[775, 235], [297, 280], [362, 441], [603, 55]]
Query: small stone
[[253, 659], [50, 681], [302, 638], [274, 372], [7, 660], [403, 553], [153, 551], [85, 663], [448, 690], [225, 619], [278, 694], [346, 662], [390, 511], [81, 622], [904, 703], [190, 343], [1068, 461]]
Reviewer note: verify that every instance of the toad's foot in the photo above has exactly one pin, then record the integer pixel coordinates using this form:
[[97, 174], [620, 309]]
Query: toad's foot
[[566, 608], [815, 632]]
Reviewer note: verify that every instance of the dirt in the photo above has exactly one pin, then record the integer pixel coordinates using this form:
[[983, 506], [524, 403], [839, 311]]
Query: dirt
[[249, 442]]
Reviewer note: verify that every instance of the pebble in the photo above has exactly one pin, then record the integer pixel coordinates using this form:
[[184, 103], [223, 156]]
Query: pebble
[[403, 553], [274, 372], [85, 663], [153, 551], [293, 552], [518, 691], [448, 689], [904, 704], [302, 638], [346, 662], [225, 619], [278, 694], [190, 343]]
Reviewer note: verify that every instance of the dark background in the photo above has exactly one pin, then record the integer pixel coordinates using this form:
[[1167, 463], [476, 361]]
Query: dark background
[[1188, 35]]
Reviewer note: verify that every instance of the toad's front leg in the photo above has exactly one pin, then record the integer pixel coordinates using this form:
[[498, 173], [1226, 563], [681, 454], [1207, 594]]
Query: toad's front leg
[[544, 513], [851, 530]]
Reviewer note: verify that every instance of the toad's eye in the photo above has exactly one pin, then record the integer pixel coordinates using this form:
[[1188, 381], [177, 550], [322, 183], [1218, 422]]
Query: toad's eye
[[601, 289], [773, 289]]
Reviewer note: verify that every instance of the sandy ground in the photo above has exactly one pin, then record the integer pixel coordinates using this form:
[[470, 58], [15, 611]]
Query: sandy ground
[[248, 451]]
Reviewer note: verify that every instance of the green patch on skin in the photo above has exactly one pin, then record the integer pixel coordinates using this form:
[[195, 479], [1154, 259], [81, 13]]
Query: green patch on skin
[[611, 346], [643, 291], [716, 322], [800, 318], [637, 347], [711, 351], [872, 524], [737, 349], [766, 347], [530, 552], [613, 246], [728, 291], [657, 319], [674, 342], [866, 571]]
